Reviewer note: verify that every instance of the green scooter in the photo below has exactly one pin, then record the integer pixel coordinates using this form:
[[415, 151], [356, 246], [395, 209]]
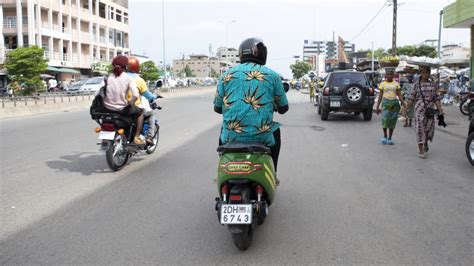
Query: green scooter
[[246, 185]]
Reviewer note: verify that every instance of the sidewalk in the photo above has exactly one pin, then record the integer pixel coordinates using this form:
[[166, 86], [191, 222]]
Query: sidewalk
[[67, 104]]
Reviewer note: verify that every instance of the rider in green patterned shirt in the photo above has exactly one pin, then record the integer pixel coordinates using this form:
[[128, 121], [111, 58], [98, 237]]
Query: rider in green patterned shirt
[[247, 95]]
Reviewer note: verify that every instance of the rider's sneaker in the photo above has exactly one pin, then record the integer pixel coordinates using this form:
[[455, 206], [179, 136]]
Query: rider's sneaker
[[390, 142], [383, 141], [138, 141]]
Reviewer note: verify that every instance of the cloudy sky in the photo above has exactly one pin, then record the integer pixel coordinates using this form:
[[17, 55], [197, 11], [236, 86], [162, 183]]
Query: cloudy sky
[[192, 26]]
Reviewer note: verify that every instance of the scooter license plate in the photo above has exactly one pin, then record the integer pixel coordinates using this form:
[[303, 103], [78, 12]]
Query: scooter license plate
[[236, 214], [335, 104], [109, 135]]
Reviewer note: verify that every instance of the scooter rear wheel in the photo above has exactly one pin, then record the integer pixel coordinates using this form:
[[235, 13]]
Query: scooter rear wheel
[[243, 240]]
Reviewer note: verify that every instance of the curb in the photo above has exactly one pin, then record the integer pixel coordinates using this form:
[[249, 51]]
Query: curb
[[66, 106]]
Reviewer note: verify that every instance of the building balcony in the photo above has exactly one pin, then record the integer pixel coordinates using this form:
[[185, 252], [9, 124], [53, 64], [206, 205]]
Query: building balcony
[[85, 37], [47, 55], [9, 24]]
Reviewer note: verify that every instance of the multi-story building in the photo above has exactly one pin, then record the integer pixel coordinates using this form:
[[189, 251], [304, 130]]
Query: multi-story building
[[318, 53], [200, 65], [455, 56], [73, 33], [230, 55], [329, 49]]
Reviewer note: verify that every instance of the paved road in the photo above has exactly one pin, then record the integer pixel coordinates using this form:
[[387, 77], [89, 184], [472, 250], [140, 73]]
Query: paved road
[[343, 199]]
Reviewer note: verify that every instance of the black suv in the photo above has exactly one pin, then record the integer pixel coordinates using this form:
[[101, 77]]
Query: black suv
[[346, 91]]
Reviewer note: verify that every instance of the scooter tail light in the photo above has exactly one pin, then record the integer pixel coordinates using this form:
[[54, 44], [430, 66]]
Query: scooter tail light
[[259, 189], [326, 91], [224, 189]]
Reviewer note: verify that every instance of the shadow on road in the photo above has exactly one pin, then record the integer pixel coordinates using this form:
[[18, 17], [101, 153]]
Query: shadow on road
[[86, 163], [345, 117]]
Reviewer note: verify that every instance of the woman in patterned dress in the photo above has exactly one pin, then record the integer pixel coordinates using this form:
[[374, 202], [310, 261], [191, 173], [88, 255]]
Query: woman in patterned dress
[[424, 126]]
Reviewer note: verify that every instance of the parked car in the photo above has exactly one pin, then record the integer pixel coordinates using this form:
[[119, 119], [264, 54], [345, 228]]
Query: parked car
[[470, 142], [92, 85], [346, 91], [75, 87]]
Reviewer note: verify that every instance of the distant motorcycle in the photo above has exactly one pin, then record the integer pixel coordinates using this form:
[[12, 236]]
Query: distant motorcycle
[[116, 137]]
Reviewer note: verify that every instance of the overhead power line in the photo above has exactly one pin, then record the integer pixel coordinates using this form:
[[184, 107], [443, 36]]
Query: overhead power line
[[366, 26]]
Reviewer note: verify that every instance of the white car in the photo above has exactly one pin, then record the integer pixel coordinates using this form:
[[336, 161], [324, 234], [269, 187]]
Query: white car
[[92, 85]]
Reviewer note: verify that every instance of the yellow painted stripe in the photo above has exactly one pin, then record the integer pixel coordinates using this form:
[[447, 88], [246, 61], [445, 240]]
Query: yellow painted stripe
[[269, 179], [267, 168], [270, 172]]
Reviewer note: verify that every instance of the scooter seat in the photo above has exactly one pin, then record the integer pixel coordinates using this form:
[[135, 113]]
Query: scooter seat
[[238, 147]]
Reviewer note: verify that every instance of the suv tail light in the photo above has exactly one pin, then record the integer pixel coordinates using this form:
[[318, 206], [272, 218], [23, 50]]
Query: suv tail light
[[326, 91]]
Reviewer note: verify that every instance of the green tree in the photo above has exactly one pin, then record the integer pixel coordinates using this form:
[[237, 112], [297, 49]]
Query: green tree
[[378, 54], [149, 71], [299, 68], [408, 50], [425, 50], [214, 73], [189, 73], [24, 66]]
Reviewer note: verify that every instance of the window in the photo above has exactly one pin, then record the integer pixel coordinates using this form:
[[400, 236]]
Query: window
[[111, 13], [125, 18], [118, 17]]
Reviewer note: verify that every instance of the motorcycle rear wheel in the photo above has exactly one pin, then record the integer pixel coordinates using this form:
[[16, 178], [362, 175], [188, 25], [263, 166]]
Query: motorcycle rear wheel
[[470, 148], [243, 240], [464, 107], [116, 154]]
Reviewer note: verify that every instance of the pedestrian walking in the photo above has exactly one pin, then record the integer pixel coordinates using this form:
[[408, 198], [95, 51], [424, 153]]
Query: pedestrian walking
[[390, 97], [425, 98], [312, 89]]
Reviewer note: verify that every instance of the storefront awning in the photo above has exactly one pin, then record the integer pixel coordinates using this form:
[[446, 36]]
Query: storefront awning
[[62, 70]]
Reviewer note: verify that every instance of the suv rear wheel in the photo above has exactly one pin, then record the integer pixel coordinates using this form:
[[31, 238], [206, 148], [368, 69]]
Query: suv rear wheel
[[353, 93], [324, 114]]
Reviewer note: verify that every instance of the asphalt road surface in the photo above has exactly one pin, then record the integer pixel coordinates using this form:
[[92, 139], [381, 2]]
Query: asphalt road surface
[[343, 197]]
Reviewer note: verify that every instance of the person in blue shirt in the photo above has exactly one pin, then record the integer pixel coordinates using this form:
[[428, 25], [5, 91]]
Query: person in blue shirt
[[247, 95]]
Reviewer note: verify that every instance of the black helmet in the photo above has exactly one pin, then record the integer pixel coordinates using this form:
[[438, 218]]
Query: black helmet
[[253, 50]]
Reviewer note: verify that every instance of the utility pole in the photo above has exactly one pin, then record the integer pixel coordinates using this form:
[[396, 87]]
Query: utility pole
[[373, 58], [394, 31], [164, 50], [439, 34]]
